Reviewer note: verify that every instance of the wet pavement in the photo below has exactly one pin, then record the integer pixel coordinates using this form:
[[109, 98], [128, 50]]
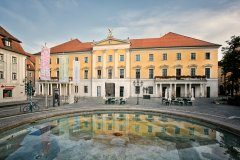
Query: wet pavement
[[203, 109]]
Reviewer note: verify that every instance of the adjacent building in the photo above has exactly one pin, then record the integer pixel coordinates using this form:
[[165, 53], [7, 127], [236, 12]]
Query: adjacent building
[[111, 66], [12, 68], [30, 69]]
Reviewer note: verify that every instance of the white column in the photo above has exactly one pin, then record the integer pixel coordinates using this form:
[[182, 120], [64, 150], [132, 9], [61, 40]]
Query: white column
[[127, 64], [60, 89], [204, 89], [160, 89], [66, 89], [116, 64], [51, 89], [70, 89], [175, 89], [185, 90], [48, 89], [157, 90], [39, 89], [104, 65], [43, 86], [93, 65], [190, 87]]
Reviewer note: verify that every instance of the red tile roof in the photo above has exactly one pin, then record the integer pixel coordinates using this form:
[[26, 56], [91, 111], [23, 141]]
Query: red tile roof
[[169, 40], [15, 43], [72, 46]]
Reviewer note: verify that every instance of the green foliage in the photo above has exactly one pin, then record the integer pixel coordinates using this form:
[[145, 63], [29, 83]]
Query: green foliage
[[231, 61]]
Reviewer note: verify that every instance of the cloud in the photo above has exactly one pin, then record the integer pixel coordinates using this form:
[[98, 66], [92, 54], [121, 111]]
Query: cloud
[[215, 26]]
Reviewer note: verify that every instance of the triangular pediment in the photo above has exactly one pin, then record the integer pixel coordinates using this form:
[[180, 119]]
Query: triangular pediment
[[111, 41]]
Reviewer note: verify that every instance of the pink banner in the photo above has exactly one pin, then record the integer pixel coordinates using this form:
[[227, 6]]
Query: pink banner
[[45, 68]]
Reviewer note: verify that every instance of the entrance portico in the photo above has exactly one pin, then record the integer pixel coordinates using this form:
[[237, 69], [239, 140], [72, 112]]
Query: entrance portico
[[181, 88]]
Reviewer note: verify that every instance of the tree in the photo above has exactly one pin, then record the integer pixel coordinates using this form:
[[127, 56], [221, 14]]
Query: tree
[[231, 62]]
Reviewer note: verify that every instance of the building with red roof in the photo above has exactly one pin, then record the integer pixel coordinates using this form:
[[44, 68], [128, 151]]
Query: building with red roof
[[12, 68], [181, 65]]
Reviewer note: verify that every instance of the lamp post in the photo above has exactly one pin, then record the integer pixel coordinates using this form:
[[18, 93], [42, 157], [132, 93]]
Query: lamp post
[[138, 83]]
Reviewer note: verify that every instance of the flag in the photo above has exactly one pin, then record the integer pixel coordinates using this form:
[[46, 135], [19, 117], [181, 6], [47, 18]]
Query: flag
[[63, 68], [44, 66], [76, 72]]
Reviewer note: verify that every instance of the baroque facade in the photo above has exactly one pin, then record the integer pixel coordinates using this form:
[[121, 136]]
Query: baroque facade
[[111, 66], [12, 68]]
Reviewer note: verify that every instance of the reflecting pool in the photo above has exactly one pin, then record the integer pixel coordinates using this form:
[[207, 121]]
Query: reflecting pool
[[119, 135]]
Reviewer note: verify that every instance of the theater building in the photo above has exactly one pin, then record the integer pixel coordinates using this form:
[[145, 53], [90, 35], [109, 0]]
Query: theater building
[[110, 67]]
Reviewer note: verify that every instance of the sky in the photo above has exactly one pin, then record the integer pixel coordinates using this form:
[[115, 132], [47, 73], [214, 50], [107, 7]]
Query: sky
[[36, 22]]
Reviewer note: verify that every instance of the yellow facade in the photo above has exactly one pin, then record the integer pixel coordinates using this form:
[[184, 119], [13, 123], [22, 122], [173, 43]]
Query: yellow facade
[[199, 73]]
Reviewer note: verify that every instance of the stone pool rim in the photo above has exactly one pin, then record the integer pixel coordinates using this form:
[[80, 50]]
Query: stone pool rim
[[46, 114]]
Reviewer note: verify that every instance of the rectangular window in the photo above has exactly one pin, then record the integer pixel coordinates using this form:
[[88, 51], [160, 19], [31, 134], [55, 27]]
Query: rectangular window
[[76, 89], [164, 72], [1, 75], [193, 72], [121, 127], [50, 61], [137, 89], [99, 74], [178, 56], [110, 58], [50, 73], [14, 76], [150, 73], [99, 58], [191, 131], [178, 72], [86, 124], [109, 73], [164, 56], [121, 58], [137, 58], [99, 126], [207, 72], [85, 59], [150, 89], [109, 126], [85, 89], [57, 74], [149, 129], [137, 127], [177, 130], [206, 131], [193, 56], [207, 55], [57, 60], [138, 73], [85, 74], [121, 73], [76, 58], [14, 60], [30, 74], [164, 129], [7, 43], [1, 57], [7, 93], [151, 57]]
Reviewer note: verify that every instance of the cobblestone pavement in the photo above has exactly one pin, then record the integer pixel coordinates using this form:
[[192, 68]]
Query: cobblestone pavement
[[226, 116]]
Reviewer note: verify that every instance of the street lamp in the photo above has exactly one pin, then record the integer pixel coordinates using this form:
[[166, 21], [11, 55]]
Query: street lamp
[[138, 84]]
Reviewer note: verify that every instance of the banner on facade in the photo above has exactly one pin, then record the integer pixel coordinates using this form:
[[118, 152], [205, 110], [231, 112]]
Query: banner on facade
[[63, 69], [76, 72], [44, 66]]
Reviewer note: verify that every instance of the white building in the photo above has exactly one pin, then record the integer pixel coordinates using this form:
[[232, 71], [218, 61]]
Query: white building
[[12, 68]]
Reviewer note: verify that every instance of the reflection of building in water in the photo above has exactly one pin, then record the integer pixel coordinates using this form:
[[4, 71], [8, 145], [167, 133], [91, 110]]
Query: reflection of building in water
[[142, 125]]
